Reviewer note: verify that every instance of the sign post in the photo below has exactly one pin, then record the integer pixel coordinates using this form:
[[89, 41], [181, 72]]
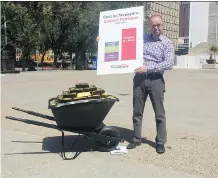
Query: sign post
[[120, 46]]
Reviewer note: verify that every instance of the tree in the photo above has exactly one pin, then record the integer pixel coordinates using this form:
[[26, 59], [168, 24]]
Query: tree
[[22, 26], [214, 49], [62, 26], [55, 26]]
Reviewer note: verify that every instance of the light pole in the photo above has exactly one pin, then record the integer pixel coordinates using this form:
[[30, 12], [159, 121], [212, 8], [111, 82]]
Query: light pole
[[216, 39], [5, 30], [216, 32]]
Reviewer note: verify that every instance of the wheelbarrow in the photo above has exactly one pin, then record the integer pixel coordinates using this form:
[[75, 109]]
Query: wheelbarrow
[[84, 117]]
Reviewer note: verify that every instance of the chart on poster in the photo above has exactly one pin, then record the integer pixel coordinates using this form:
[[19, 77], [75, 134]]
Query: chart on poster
[[120, 47]]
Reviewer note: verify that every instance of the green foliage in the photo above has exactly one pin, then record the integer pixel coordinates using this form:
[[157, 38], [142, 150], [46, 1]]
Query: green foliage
[[22, 27], [62, 26], [214, 49]]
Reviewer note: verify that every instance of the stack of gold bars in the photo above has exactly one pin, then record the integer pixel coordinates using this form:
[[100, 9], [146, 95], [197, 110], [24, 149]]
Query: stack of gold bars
[[81, 91]]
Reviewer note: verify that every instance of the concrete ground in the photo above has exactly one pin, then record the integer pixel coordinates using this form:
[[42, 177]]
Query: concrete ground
[[31, 150]]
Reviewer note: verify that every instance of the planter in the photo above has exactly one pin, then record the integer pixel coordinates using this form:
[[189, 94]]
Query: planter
[[210, 66], [211, 61]]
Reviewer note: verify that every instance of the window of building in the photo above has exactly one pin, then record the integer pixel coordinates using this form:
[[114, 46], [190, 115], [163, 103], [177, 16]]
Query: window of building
[[172, 4], [153, 8], [166, 11], [186, 41], [162, 10]]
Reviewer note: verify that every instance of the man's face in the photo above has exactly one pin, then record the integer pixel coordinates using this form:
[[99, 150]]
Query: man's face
[[156, 25]]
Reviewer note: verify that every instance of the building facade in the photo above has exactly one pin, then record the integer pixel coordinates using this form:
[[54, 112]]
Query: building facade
[[170, 13], [184, 15], [213, 23]]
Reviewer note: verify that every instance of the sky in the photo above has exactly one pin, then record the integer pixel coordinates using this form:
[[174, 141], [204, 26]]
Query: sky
[[198, 30]]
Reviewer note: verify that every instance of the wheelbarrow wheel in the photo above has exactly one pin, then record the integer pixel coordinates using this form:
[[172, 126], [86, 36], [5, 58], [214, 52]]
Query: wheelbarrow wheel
[[111, 140]]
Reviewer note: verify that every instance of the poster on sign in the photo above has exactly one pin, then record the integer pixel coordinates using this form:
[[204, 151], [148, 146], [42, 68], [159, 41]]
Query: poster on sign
[[120, 47]]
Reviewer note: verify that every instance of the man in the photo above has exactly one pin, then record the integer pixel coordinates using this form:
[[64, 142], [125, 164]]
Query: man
[[158, 56]]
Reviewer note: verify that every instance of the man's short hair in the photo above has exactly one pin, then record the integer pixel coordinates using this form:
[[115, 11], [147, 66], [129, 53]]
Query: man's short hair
[[155, 15]]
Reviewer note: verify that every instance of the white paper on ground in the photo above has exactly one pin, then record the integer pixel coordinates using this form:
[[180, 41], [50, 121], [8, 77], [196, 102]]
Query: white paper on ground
[[119, 150]]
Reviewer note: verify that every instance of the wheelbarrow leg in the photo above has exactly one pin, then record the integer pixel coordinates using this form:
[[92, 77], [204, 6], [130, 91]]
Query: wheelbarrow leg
[[69, 147]]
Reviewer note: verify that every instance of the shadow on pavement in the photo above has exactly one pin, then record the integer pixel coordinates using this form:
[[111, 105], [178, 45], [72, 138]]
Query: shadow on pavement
[[127, 135], [54, 144]]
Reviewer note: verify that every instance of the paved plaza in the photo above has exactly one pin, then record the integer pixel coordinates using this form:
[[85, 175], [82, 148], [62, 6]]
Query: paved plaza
[[191, 103]]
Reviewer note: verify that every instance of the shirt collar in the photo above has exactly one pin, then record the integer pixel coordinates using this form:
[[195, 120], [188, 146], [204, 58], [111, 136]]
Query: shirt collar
[[160, 37]]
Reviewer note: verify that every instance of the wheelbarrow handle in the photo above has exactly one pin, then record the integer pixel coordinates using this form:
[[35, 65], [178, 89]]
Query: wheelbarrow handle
[[18, 109], [34, 113]]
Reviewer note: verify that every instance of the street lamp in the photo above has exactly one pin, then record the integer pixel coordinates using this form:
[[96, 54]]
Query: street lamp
[[216, 32]]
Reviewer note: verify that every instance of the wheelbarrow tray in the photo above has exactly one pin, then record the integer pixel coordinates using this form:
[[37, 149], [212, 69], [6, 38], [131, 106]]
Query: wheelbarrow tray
[[82, 115]]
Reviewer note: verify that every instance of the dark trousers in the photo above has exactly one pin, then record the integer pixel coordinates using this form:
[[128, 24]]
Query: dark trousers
[[153, 85]]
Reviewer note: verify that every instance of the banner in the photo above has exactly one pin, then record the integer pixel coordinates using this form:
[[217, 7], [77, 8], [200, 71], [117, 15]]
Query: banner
[[120, 48]]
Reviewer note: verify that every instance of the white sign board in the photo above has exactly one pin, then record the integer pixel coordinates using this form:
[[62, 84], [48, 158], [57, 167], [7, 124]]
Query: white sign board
[[120, 47]]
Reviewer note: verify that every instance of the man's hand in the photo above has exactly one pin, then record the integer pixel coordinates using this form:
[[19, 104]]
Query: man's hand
[[97, 38], [141, 69]]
